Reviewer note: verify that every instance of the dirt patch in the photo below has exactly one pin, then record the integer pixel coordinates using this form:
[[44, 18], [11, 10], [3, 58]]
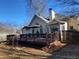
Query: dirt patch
[[53, 46], [10, 52]]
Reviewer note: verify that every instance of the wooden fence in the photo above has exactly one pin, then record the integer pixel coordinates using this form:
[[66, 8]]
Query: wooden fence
[[71, 36]]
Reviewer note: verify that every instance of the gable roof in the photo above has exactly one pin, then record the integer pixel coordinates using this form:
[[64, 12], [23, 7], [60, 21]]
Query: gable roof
[[42, 18], [57, 21]]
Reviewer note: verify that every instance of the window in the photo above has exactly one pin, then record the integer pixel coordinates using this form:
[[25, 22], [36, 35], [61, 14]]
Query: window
[[71, 27], [41, 29], [54, 29], [36, 24]]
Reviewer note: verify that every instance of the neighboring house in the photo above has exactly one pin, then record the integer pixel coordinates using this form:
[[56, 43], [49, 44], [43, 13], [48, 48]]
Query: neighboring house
[[73, 23], [55, 22], [78, 23], [3, 36]]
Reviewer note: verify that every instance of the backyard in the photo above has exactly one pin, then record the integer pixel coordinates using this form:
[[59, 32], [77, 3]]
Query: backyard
[[10, 52]]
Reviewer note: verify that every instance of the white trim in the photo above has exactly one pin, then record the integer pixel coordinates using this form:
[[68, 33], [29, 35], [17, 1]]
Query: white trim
[[43, 19]]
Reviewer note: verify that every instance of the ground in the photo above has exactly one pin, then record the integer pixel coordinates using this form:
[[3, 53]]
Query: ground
[[10, 52], [67, 52]]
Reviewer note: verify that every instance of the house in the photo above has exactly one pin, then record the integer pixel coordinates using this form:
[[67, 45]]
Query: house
[[73, 23], [40, 24], [54, 22]]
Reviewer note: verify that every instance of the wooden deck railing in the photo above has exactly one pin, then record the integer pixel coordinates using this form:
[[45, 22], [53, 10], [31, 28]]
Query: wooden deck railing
[[35, 38]]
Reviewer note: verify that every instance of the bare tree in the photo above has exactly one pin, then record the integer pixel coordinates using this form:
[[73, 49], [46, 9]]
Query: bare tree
[[38, 6], [70, 7]]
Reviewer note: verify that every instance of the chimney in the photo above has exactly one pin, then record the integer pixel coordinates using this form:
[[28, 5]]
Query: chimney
[[51, 14]]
